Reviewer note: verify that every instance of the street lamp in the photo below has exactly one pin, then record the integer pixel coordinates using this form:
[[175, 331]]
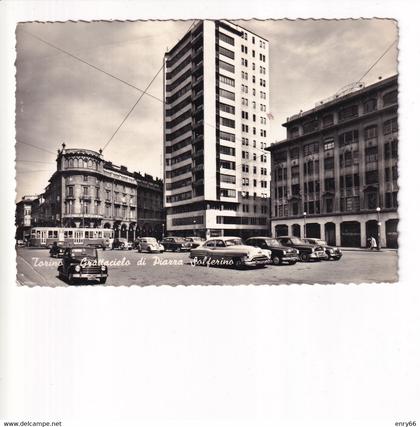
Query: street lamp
[[378, 213], [194, 222], [304, 225], [163, 230]]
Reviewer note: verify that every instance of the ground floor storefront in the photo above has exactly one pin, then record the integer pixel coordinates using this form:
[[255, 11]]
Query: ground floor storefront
[[343, 230], [132, 230]]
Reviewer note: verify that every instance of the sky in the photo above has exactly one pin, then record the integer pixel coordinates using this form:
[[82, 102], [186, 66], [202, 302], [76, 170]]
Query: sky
[[60, 99]]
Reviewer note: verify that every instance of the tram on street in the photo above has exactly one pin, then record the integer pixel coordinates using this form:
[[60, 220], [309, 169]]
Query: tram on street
[[70, 236]]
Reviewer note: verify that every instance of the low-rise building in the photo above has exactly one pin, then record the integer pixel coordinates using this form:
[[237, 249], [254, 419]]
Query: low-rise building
[[88, 191], [150, 212], [24, 216], [335, 177]]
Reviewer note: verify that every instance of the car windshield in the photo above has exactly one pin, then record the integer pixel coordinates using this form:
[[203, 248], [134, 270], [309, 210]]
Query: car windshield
[[320, 242], [150, 240], [297, 241], [83, 252], [273, 243], [233, 242], [179, 240]]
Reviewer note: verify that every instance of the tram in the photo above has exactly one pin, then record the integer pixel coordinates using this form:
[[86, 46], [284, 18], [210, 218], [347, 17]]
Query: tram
[[46, 236]]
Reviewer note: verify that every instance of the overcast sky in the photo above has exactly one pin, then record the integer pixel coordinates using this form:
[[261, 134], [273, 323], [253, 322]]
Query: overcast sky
[[60, 99]]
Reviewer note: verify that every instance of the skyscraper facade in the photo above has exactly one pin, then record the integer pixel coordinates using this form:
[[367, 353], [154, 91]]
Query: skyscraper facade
[[216, 168]]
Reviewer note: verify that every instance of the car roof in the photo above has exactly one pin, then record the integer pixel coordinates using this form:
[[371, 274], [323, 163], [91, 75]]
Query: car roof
[[260, 237], [80, 247], [224, 238]]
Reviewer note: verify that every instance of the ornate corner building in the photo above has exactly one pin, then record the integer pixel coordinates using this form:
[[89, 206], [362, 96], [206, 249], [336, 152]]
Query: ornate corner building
[[88, 191], [335, 177]]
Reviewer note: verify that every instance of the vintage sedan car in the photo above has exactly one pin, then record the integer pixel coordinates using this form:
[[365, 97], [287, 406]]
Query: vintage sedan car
[[149, 244], [333, 253], [57, 250], [81, 264], [176, 244], [279, 254], [121, 243], [307, 251], [229, 251], [194, 241]]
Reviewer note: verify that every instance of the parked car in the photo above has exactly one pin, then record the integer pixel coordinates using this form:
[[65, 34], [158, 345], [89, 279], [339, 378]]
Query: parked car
[[333, 253], [149, 244], [20, 243], [230, 251], [121, 243], [175, 244], [57, 250], [194, 241], [81, 264], [307, 251], [279, 254]]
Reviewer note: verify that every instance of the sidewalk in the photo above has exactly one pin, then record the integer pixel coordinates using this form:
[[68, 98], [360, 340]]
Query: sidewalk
[[368, 250]]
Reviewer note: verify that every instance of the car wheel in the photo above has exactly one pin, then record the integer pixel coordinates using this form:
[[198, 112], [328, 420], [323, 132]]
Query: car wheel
[[102, 280], [70, 279], [238, 263], [276, 260], [292, 262], [304, 257]]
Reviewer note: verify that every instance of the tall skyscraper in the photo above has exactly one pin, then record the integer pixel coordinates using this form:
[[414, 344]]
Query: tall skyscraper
[[217, 171]]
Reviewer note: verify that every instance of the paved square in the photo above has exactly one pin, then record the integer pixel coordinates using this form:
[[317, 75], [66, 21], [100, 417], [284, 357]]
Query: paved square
[[35, 267]]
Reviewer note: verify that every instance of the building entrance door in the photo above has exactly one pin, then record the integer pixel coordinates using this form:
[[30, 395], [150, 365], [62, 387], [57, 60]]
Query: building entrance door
[[330, 233], [371, 231], [350, 234]]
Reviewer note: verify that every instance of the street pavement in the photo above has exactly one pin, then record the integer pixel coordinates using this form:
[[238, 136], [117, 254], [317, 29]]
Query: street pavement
[[35, 267]]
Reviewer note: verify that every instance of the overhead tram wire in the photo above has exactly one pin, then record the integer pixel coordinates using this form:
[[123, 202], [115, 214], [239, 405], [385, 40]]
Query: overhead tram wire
[[98, 46], [144, 92], [32, 161], [373, 65], [90, 65], [132, 108], [33, 171], [139, 99], [34, 146]]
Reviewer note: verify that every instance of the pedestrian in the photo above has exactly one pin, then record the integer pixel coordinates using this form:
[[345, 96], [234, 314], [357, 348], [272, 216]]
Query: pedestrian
[[373, 244]]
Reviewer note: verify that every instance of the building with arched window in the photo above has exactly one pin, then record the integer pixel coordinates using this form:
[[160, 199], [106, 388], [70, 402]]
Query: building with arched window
[[88, 191], [335, 176]]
